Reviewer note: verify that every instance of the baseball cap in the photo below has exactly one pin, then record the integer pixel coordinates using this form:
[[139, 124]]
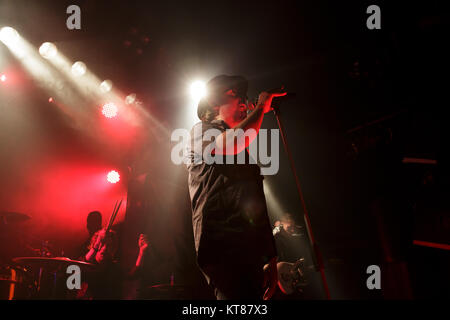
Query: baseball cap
[[216, 88]]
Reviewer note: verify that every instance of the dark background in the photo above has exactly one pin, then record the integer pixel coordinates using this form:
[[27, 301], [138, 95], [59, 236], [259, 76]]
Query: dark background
[[365, 99]]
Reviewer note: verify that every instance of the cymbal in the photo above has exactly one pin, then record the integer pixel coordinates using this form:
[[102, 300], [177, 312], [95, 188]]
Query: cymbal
[[50, 262], [8, 217]]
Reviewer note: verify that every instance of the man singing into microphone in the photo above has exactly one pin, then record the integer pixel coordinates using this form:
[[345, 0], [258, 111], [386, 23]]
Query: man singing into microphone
[[233, 236]]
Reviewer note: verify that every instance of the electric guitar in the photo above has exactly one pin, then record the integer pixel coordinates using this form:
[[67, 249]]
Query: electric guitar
[[291, 276]]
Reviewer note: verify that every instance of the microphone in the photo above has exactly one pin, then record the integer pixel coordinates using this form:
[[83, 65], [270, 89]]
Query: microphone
[[287, 96]]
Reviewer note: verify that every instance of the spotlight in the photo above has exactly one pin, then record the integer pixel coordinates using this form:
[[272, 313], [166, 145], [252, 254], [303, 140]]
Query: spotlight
[[109, 110], [78, 68], [8, 35], [2, 78], [198, 90], [106, 86], [48, 50], [113, 177], [50, 99], [130, 98]]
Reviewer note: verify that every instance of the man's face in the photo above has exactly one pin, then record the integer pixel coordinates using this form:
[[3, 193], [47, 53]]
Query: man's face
[[289, 226], [94, 223], [234, 110]]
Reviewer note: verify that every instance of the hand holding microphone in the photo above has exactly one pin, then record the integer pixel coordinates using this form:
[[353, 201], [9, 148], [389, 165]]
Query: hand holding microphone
[[265, 98]]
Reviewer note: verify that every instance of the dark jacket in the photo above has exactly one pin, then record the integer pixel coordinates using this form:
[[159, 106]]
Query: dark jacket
[[229, 211]]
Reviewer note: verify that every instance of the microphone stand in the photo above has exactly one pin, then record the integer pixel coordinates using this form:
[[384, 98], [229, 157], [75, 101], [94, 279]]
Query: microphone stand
[[317, 256]]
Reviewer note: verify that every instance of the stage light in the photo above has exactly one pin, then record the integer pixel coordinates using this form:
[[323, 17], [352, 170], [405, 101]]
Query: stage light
[[50, 99], [8, 35], [78, 69], [3, 78], [130, 98], [48, 50], [109, 110], [106, 86], [113, 177], [198, 90]]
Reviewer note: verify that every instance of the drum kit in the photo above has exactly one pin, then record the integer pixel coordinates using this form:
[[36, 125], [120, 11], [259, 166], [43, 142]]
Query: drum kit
[[37, 277], [44, 276]]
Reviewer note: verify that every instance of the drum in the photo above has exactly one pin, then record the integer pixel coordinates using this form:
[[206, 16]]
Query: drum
[[49, 275]]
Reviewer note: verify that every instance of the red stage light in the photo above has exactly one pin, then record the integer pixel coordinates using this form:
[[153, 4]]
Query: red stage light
[[109, 110], [50, 99], [113, 177]]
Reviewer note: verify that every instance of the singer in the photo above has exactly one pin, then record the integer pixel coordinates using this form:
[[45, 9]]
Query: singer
[[233, 236]]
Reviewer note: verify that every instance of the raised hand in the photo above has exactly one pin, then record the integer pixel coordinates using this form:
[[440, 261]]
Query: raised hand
[[265, 98], [143, 242]]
